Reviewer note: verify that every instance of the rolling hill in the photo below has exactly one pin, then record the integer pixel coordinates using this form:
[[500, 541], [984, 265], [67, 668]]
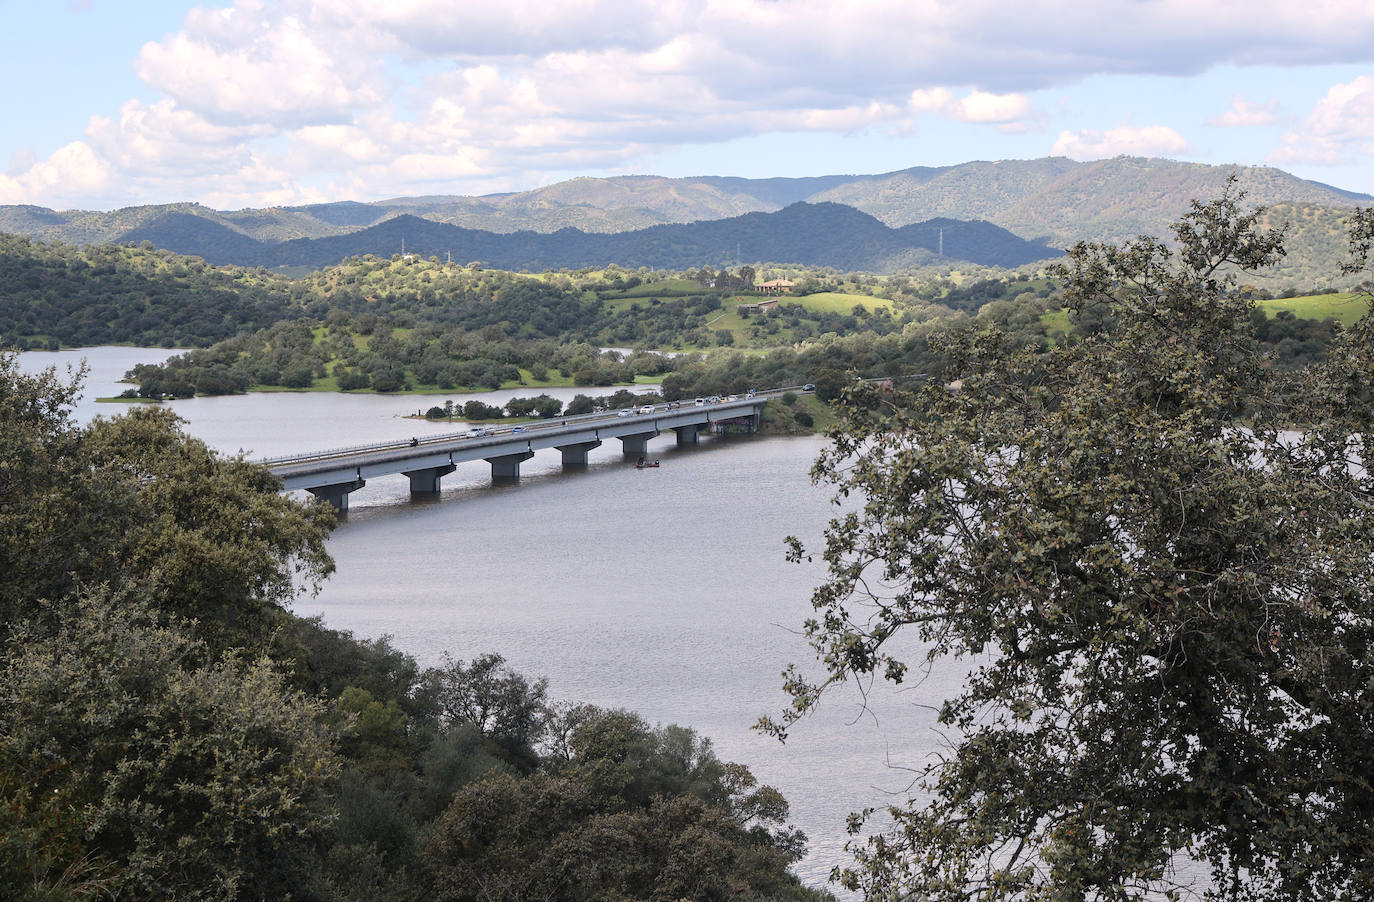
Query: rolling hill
[[1051, 201], [814, 234]]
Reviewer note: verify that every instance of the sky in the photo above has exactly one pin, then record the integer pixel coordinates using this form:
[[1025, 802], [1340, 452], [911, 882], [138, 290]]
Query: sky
[[260, 103]]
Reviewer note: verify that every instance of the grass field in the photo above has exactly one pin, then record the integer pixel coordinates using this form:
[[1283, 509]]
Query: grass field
[[644, 295], [1344, 308], [835, 302], [730, 320], [666, 288], [1056, 322]]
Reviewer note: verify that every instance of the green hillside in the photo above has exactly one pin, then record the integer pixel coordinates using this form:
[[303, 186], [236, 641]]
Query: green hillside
[[1345, 308], [1052, 200]]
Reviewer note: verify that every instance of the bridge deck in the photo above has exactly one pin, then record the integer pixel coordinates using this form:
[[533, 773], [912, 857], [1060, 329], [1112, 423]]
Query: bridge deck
[[345, 468]]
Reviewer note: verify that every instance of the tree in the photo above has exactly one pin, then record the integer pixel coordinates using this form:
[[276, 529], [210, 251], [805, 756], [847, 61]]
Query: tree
[[1163, 594], [580, 404], [209, 538], [627, 812], [146, 745], [506, 708], [185, 776]]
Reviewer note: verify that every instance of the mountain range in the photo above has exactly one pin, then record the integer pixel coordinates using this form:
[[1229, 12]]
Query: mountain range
[[824, 234], [1049, 203]]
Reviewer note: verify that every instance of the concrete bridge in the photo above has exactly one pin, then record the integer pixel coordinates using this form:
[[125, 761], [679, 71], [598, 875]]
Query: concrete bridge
[[332, 475]]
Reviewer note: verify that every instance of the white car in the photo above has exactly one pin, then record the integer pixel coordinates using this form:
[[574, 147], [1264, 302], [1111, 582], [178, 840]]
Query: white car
[[647, 408]]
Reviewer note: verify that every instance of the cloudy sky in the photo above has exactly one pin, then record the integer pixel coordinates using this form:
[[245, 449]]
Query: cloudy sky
[[267, 102]]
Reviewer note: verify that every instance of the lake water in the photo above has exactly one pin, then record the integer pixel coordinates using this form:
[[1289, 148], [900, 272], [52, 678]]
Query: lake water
[[664, 591]]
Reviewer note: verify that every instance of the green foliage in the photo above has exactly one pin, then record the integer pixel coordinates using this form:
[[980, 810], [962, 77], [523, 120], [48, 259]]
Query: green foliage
[[501, 705], [1345, 307], [629, 812], [1166, 616], [476, 410], [542, 406], [129, 295], [133, 502], [139, 734]]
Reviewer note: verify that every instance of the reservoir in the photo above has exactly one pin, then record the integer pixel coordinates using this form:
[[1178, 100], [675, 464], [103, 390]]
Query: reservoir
[[664, 591]]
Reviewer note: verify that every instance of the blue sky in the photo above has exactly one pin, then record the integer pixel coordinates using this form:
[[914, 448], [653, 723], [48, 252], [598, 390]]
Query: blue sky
[[266, 102]]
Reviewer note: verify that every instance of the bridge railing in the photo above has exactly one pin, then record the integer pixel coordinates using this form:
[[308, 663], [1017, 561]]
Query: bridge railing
[[352, 449], [393, 444]]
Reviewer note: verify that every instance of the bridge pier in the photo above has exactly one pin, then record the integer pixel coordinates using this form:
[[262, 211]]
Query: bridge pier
[[741, 425], [426, 481], [686, 435], [337, 494], [636, 445], [507, 467], [576, 455]]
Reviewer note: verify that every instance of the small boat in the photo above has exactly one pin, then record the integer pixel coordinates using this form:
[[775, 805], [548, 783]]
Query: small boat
[[643, 464]]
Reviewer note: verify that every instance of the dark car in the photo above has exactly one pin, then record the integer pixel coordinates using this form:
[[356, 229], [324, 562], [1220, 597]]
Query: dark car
[[810, 386]]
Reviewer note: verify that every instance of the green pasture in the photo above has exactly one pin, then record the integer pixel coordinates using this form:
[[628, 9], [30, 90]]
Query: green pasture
[[730, 320], [1056, 322], [665, 288], [1344, 308], [835, 302]]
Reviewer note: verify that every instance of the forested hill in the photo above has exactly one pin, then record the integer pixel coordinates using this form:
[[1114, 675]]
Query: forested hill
[[108, 294], [809, 234], [1056, 198]]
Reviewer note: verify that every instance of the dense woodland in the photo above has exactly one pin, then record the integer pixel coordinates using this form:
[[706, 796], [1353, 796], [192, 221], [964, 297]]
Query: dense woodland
[[60, 294], [397, 324]]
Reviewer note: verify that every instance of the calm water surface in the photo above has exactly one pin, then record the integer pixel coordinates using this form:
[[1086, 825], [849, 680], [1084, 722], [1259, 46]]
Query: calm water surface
[[664, 590]]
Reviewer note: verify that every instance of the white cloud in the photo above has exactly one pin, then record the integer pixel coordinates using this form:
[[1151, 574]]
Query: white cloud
[[980, 106], [1244, 114], [149, 139], [72, 173], [448, 94], [1339, 129], [252, 64], [1127, 140]]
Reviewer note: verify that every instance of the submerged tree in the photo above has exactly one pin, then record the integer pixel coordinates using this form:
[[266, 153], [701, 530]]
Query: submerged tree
[[1161, 590]]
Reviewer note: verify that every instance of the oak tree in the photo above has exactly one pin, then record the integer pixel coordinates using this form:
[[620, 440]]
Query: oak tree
[[1152, 553]]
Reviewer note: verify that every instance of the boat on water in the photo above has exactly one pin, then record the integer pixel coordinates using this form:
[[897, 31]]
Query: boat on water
[[643, 464]]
